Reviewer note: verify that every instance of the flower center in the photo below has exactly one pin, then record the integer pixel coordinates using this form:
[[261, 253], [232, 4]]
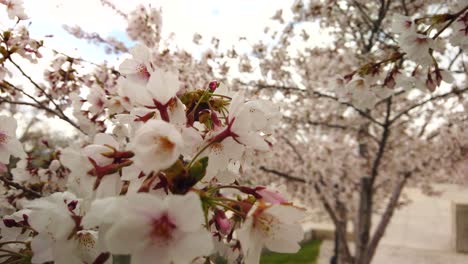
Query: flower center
[[264, 223], [165, 143], [217, 147], [3, 137], [162, 228], [86, 240], [143, 71], [408, 23]]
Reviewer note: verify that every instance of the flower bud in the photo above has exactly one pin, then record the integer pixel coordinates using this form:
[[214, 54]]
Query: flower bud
[[213, 85], [222, 223], [54, 165], [270, 196]]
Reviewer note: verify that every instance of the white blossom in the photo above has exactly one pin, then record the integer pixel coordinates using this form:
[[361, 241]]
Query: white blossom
[[9, 144], [275, 227], [157, 145], [151, 229]]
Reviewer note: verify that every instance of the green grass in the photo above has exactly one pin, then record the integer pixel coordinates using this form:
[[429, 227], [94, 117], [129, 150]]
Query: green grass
[[307, 255]]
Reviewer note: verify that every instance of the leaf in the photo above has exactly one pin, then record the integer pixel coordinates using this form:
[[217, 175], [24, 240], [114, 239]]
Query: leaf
[[198, 169]]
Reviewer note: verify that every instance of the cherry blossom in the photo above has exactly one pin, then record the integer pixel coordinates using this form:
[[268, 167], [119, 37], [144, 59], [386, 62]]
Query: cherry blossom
[[157, 145], [272, 226], [417, 47], [166, 164], [9, 144], [60, 239], [15, 9], [148, 228], [139, 68]]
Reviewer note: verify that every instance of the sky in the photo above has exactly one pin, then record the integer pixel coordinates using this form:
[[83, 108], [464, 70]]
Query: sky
[[226, 19]]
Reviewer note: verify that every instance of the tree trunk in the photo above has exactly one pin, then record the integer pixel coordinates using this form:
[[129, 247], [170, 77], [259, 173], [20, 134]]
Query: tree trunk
[[364, 223], [341, 232], [386, 217]]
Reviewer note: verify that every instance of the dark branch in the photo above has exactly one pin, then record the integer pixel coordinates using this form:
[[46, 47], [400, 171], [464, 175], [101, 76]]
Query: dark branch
[[387, 215], [382, 143], [293, 147], [434, 98], [282, 174], [20, 187]]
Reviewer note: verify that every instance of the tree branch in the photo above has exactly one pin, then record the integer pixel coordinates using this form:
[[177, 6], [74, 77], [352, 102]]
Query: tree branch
[[336, 221], [382, 143], [282, 174], [20, 187], [317, 94], [293, 147], [453, 92], [60, 112], [387, 216], [4, 100]]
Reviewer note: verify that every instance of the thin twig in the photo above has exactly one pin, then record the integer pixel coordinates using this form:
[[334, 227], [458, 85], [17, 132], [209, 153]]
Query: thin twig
[[20, 187], [282, 174], [453, 92]]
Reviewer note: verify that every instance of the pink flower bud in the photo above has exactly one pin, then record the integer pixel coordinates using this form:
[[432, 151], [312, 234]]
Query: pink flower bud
[[213, 85], [222, 223], [270, 196]]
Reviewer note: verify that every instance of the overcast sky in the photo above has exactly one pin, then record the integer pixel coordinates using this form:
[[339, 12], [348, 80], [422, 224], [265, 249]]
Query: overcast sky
[[226, 19]]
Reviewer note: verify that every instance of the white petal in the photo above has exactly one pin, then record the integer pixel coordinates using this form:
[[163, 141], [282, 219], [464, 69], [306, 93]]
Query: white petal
[[193, 245], [15, 148], [4, 155], [187, 211], [102, 211], [141, 53], [129, 66], [286, 214], [105, 139], [163, 86], [151, 255], [285, 239], [110, 186], [128, 235], [42, 250], [8, 125]]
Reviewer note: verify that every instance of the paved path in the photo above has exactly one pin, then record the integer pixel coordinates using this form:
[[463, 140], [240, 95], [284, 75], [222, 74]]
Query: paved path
[[420, 232], [387, 254]]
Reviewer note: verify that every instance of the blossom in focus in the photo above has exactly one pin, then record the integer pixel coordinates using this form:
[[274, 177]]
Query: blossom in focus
[[106, 179], [274, 226], [272, 194], [138, 68], [243, 126], [158, 93], [56, 219], [157, 145], [152, 229]]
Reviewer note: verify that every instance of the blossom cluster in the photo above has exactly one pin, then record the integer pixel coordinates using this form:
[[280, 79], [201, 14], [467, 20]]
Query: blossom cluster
[[163, 186], [157, 176], [414, 66]]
